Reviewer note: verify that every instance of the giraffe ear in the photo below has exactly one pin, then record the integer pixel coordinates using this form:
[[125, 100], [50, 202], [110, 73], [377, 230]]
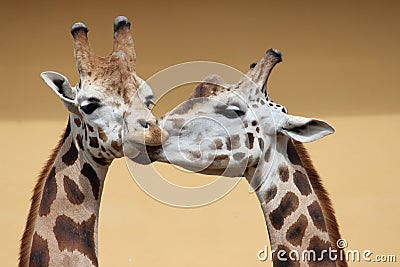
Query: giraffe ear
[[305, 129], [60, 85]]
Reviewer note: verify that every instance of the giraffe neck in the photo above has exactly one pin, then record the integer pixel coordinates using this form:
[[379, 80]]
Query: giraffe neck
[[296, 215], [62, 224]]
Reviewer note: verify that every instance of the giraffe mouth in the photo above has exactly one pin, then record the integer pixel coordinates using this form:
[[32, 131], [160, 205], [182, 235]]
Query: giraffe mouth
[[148, 154]]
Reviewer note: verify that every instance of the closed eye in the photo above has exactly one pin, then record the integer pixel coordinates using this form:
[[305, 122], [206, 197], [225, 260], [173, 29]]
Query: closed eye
[[231, 112], [90, 108], [237, 110]]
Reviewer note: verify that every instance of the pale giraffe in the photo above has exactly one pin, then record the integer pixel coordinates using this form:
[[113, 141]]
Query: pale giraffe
[[260, 141], [62, 224]]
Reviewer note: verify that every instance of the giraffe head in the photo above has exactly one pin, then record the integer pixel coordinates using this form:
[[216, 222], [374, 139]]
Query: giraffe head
[[107, 87], [224, 125]]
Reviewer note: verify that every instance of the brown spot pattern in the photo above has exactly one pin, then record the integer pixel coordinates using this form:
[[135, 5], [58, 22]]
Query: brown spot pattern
[[315, 211], [74, 194], [296, 231], [221, 157], [250, 141], [267, 155], [270, 193], [76, 236], [91, 175], [292, 153], [235, 141], [195, 154], [93, 142], [319, 246], [282, 257], [283, 171], [78, 122], [218, 144], [289, 204], [39, 252], [49, 193], [228, 144], [302, 183], [102, 134], [117, 146], [239, 155], [90, 128], [71, 155]]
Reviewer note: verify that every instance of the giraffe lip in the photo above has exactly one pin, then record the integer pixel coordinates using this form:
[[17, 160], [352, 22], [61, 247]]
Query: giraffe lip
[[147, 155]]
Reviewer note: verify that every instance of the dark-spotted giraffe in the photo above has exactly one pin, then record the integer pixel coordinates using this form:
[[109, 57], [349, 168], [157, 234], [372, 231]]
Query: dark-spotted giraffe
[[61, 229], [237, 130]]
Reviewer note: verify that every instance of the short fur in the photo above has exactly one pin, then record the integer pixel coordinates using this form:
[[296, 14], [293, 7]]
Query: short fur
[[322, 194], [26, 240]]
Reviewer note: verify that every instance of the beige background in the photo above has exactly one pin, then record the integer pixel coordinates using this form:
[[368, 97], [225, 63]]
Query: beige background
[[340, 64]]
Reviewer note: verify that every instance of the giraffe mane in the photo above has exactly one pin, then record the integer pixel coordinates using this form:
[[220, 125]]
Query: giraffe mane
[[323, 196], [26, 239]]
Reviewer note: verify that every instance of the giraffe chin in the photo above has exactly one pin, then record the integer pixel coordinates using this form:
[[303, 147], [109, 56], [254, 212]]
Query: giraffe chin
[[147, 155]]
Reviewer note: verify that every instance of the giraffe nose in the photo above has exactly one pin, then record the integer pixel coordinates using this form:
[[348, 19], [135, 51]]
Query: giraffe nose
[[154, 134]]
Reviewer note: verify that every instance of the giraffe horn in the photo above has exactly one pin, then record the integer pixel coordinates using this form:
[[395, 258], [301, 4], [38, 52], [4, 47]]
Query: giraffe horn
[[123, 40], [82, 51], [260, 71]]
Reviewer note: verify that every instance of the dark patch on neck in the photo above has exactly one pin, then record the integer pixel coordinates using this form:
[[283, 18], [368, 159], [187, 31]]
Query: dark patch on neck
[[39, 252], [76, 236], [296, 231], [289, 204], [292, 154], [250, 140], [320, 248], [283, 260], [315, 211], [302, 183], [49, 193], [71, 155], [283, 171], [93, 142], [270, 194], [91, 175], [74, 194]]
